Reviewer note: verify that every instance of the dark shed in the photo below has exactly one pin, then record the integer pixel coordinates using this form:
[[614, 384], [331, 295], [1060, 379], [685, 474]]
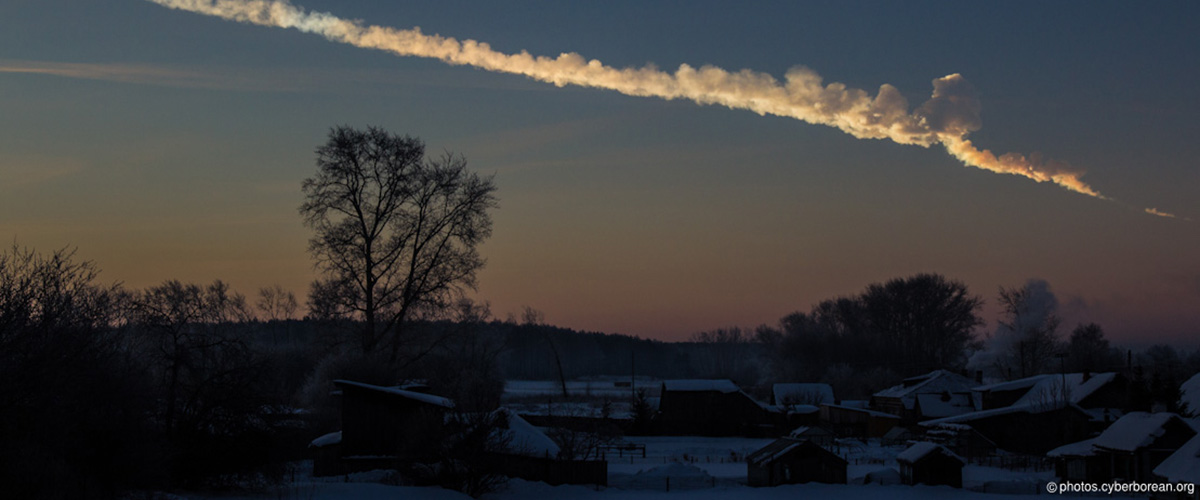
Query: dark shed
[[787, 461], [930, 463]]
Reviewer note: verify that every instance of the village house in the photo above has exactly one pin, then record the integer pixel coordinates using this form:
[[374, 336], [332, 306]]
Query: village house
[[789, 461], [1129, 450], [1094, 393], [854, 421], [930, 463], [801, 394], [898, 436], [1031, 429], [962, 439], [951, 390], [711, 408], [530, 454], [817, 435], [381, 427], [800, 402], [1183, 466]]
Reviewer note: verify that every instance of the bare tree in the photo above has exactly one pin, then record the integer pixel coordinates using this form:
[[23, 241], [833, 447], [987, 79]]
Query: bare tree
[[395, 233], [534, 318], [183, 327], [276, 303], [1031, 325], [69, 389]]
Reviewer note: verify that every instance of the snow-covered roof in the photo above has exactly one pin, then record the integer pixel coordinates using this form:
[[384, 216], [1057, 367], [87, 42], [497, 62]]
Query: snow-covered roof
[[1189, 394], [806, 393], [416, 396], [782, 446], [872, 413], [1078, 387], [976, 415], [945, 404], [937, 381], [326, 440], [804, 409], [805, 431], [696, 385], [1012, 385], [1129, 433], [1080, 449], [1135, 430], [922, 448], [525, 439], [1184, 464], [773, 451]]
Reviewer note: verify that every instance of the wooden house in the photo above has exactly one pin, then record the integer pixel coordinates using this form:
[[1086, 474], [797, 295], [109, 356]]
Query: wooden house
[[1030, 429], [818, 435], [901, 400], [381, 427], [930, 463], [800, 403], [898, 436], [1086, 390], [1183, 466], [711, 408], [858, 422], [530, 454], [788, 461], [962, 439], [1129, 450]]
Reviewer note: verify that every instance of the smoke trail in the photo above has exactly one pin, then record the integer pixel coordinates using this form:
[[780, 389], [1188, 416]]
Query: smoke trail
[[946, 118]]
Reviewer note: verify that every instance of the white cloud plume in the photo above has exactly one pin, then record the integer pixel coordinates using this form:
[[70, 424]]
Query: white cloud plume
[[946, 118]]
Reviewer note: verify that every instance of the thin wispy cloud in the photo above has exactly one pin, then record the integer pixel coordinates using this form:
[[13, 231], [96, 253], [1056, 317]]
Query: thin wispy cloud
[[950, 115], [136, 73]]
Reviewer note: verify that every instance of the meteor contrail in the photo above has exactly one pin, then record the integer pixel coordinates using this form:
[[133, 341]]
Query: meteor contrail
[[946, 118]]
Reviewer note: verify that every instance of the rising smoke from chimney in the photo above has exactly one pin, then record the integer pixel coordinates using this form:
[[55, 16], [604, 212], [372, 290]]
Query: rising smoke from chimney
[[947, 118]]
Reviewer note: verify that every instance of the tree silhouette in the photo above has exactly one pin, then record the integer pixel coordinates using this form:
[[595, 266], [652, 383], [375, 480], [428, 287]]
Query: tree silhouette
[[395, 233]]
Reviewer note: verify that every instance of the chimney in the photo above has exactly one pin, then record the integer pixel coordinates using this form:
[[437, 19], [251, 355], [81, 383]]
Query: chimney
[[1087, 374], [978, 376]]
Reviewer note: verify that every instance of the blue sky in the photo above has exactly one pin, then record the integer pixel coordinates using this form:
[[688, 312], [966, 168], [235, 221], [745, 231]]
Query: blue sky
[[166, 144]]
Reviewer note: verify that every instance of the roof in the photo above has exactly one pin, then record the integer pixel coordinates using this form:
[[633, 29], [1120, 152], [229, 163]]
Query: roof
[[1012, 385], [697, 385], [525, 439], [936, 381], [872, 413], [1080, 449], [922, 449], [773, 451], [1189, 394], [782, 446], [326, 440], [802, 393], [1050, 387], [1135, 430], [945, 404], [976, 415], [1129, 433], [416, 396], [802, 431], [804, 409], [1183, 465]]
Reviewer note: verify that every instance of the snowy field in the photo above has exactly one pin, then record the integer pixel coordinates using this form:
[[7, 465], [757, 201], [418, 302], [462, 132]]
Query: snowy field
[[520, 490], [519, 389], [692, 468]]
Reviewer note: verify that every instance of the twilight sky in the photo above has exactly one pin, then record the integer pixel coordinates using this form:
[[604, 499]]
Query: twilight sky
[[168, 144]]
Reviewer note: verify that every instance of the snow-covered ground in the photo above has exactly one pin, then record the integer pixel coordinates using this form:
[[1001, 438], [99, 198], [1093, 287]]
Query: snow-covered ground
[[703, 468], [517, 389], [522, 490]]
